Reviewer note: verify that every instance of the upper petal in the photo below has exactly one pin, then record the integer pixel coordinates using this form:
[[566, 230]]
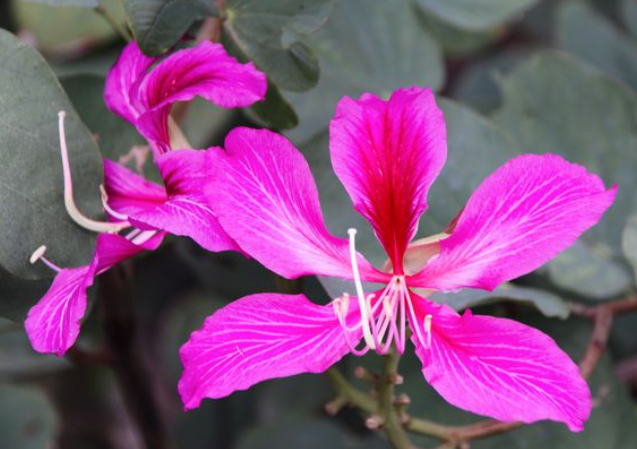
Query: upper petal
[[186, 211], [128, 192], [259, 337], [122, 83], [265, 197], [524, 214], [501, 368], [206, 71], [387, 154]]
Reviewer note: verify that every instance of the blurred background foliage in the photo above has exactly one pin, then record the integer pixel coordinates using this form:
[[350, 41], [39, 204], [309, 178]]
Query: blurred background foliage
[[512, 76]]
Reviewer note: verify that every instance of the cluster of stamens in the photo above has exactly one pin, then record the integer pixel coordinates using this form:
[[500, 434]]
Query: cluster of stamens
[[136, 236], [382, 316]]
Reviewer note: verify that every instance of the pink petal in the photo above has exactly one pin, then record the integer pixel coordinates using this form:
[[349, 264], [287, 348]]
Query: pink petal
[[122, 83], [186, 211], [259, 337], [524, 214], [113, 249], [53, 324], [129, 193], [501, 368], [206, 71], [387, 154], [264, 195]]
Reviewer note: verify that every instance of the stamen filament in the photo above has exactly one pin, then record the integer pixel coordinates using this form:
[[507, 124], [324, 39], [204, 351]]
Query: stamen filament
[[38, 254], [365, 316], [69, 202]]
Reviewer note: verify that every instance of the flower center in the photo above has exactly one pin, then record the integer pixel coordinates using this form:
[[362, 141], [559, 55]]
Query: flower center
[[382, 316]]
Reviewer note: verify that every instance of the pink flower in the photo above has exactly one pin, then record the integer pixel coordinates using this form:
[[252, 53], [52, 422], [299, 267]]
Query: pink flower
[[147, 209], [387, 154], [143, 96]]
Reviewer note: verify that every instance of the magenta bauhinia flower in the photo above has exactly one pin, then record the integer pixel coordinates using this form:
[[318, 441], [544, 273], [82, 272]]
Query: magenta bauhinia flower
[[139, 209], [387, 154], [143, 94]]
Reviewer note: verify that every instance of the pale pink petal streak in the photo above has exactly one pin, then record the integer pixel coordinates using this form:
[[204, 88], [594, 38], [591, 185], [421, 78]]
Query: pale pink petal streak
[[265, 197], [260, 337], [500, 368], [122, 83], [186, 211], [524, 214], [387, 154]]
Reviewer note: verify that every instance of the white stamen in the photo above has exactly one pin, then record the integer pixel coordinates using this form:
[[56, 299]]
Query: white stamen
[[69, 202], [38, 254], [143, 237], [107, 208], [428, 319], [365, 315]]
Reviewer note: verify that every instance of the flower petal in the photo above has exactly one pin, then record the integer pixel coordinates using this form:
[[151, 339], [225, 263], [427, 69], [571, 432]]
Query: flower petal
[[129, 193], [53, 324], [122, 83], [186, 211], [501, 368], [264, 195], [387, 154], [524, 214], [206, 71], [260, 337]]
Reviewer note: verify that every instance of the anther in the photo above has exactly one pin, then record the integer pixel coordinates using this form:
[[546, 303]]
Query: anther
[[38, 254], [365, 309], [69, 202]]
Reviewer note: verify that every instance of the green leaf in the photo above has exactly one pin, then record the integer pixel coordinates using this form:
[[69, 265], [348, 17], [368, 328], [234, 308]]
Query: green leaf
[[158, 24], [628, 14], [477, 86], [365, 47], [274, 112], [17, 296], [476, 15], [78, 3], [456, 41], [547, 303], [629, 241], [589, 274], [265, 32], [31, 185], [558, 104], [583, 31], [54, 27], [555, 103], [27, 419]]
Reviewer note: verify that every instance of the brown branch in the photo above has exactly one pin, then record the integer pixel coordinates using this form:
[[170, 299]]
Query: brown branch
[[132, 372], [458, 436]]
